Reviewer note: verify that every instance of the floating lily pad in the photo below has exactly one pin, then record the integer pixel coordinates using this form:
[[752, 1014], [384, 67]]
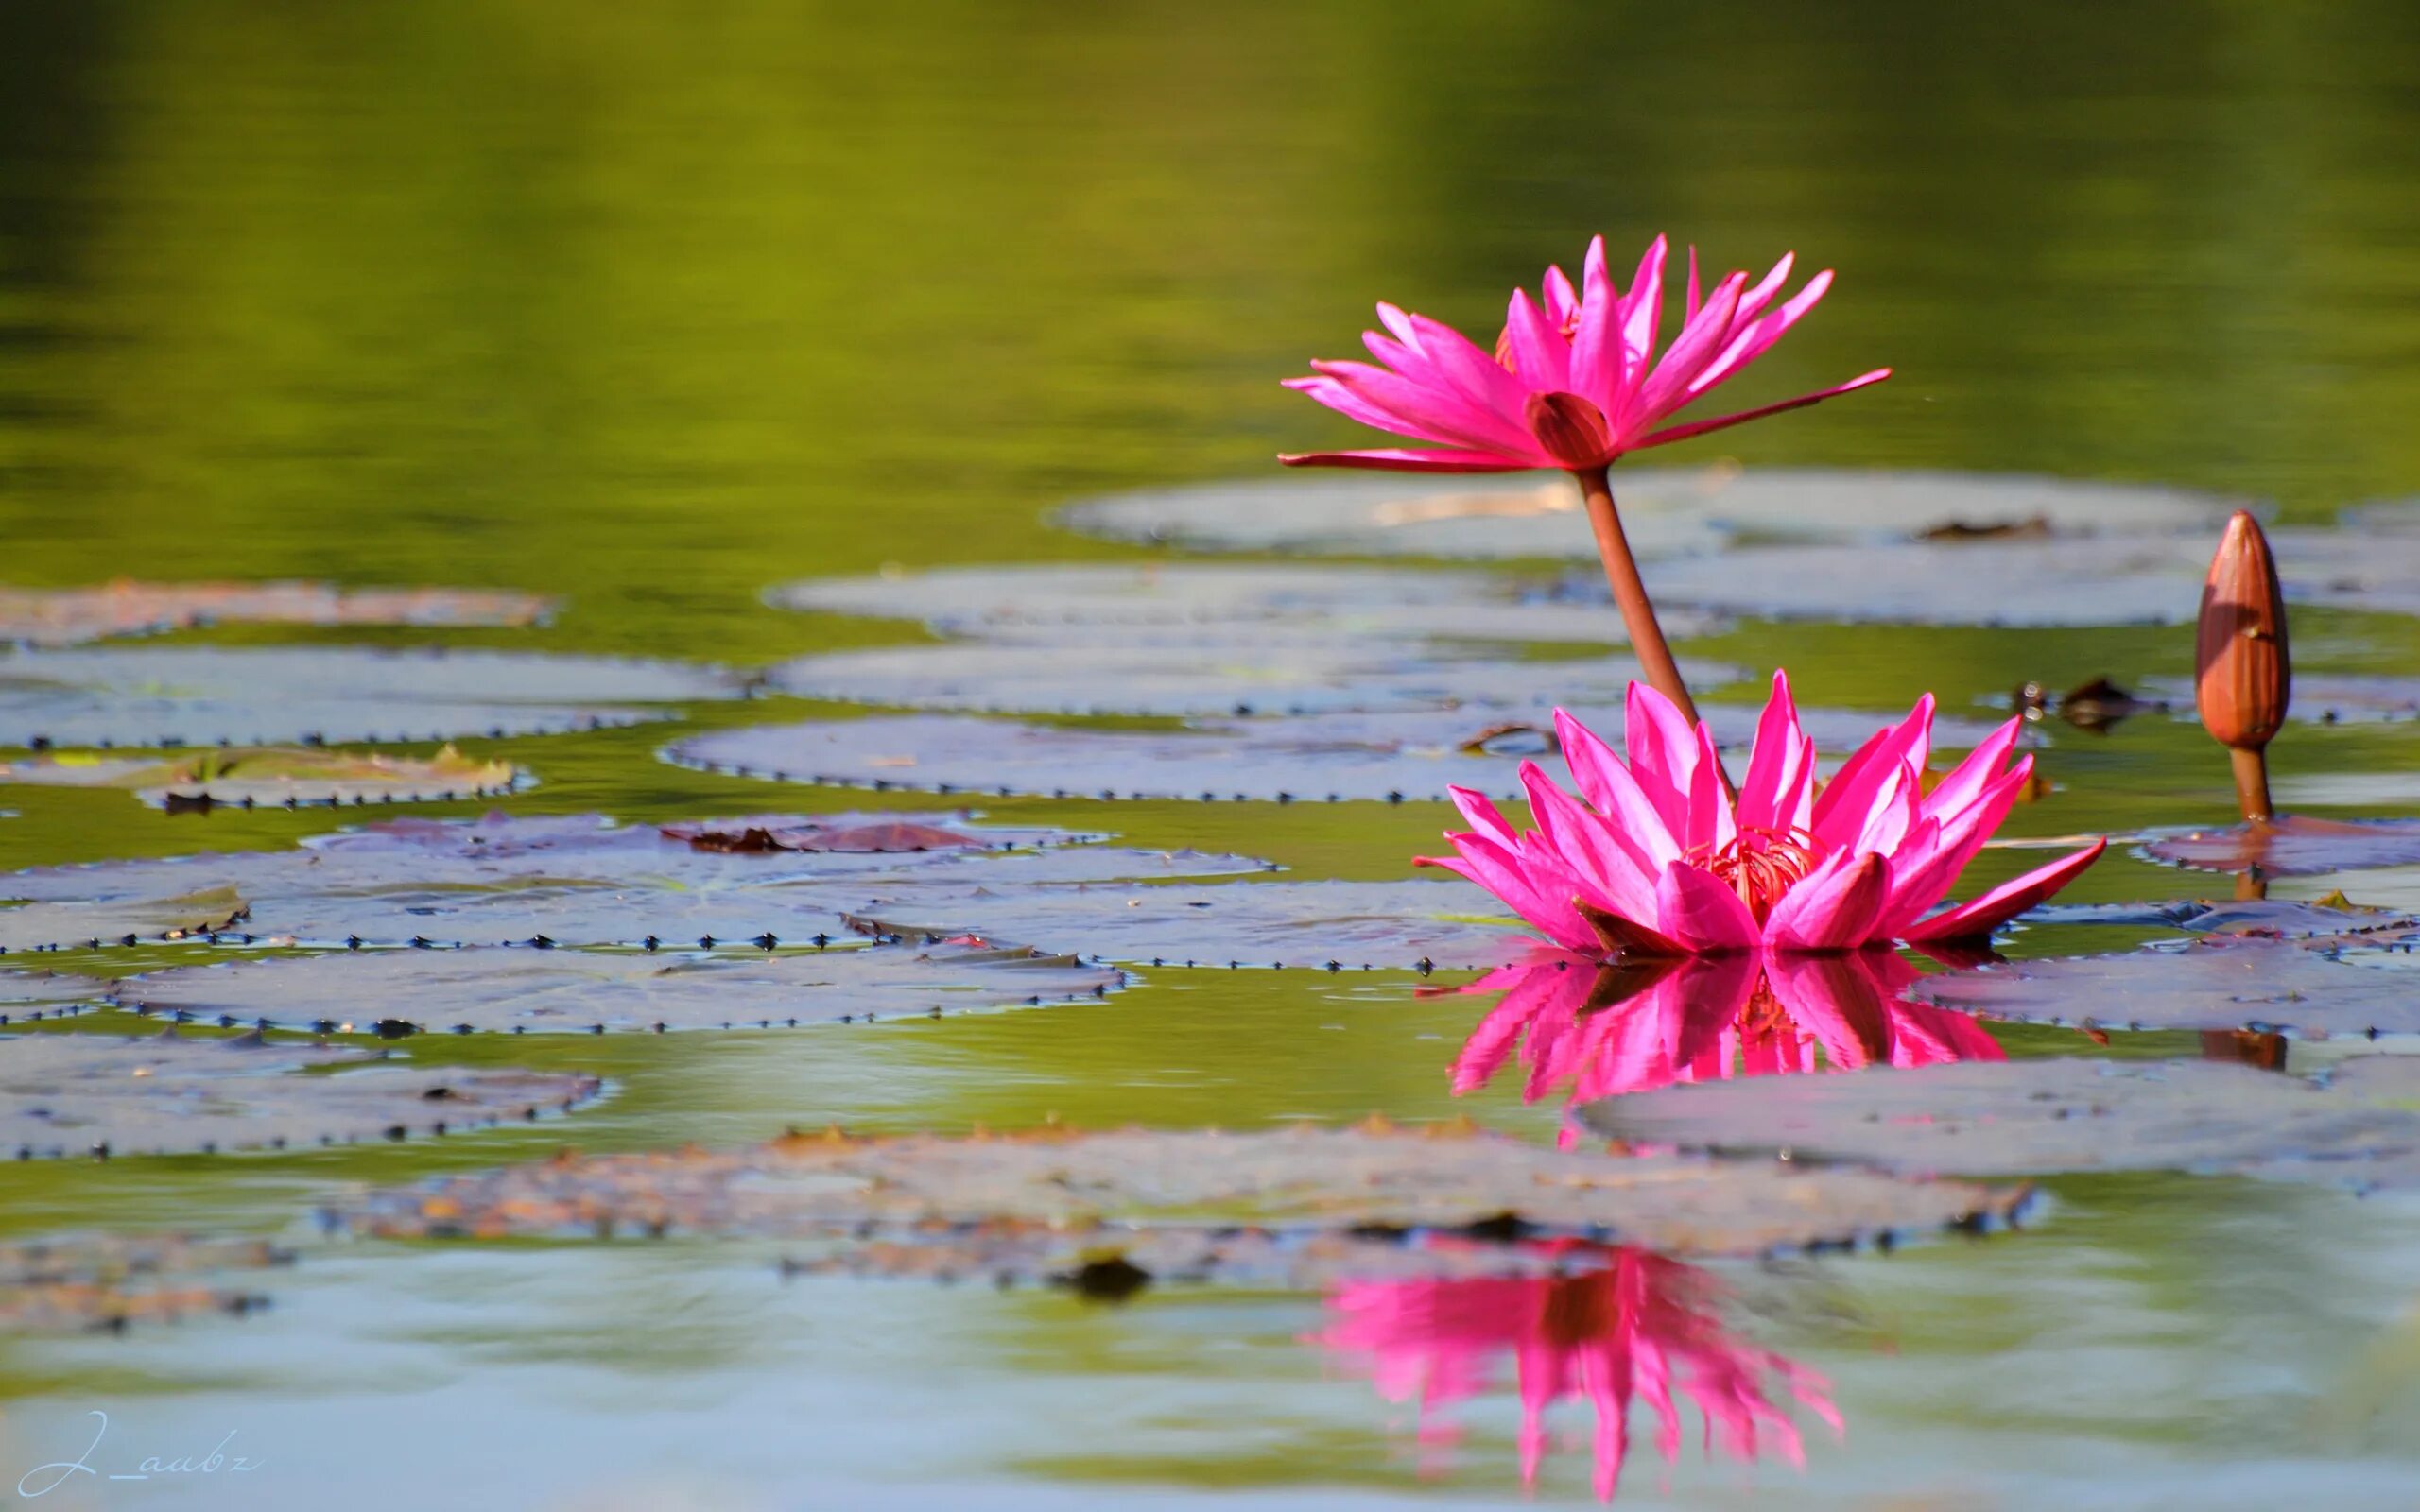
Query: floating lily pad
[[1400, 925], [64, 616], [1302, 1180], [2294, 846], [116, 909], [1055, 605], [1182, 673], [577, 879], [1665, 513], [2282, 918], [2035, 1117], [2314, 988], [520, 990], [40, 990], [82, 1093], [276, 778], [111, 1280], [1321, 758], [169, 695]]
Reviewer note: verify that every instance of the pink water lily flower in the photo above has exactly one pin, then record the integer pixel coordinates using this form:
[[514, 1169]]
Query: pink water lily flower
[[1573, 383], [1657, 861]]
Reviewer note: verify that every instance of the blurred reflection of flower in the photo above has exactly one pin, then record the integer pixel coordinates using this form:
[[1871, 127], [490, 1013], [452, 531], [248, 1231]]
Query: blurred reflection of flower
[[1588, 1031], [1630, 1326]]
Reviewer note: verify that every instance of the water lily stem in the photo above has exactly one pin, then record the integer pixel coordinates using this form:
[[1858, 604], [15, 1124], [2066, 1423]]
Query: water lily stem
[[2252, 783], [1630, 595]]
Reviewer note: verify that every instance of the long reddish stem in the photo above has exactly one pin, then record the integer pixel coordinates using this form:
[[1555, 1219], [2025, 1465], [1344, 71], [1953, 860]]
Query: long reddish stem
[[2252, 783], [1639, 611]]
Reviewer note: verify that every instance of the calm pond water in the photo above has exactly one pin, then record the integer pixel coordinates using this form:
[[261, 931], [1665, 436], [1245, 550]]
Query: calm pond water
[[652, 307]]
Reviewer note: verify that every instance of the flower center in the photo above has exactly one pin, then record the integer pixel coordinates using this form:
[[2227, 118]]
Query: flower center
[[1762, 864]]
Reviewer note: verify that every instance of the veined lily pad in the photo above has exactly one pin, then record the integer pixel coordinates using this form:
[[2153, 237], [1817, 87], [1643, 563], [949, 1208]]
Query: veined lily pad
[[82, 1093], [276, 778], [1337, 925], [1182, 673], [1320, 758], [110, 1280], [64, 616], [576, 879], [184, 694], [2311, 987], [1665, 513], [2294, 846], [1300, 1180], [1057, 605], [538, 990], [2033, 1117]]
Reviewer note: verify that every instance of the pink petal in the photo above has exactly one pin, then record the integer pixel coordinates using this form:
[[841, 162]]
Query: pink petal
[[1699, 910], [1755, 339], [1681, 433], [1642, 315], [1690, 310], [1549, 913], [1609, 785], [1663, 755], [1541, 357], [1712, 824], [1835, 907], [1667, 388], [1416, 459], [1753, 303], [1561, 300], [1771, 760], [1590, 847], [1967, 783], [1848, 803], [1596, 345], [1972, 921], [1436, 411]]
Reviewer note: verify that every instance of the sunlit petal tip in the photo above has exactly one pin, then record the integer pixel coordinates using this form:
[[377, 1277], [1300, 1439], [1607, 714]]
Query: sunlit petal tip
[[1977, 919]]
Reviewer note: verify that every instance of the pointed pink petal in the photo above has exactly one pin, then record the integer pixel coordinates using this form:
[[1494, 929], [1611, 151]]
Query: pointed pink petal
[[1667, 388], [1643, 315], [1772, 759], [1415, 460], [1435, 410], [1618, 876], [1596, 344], [1967, 781], [1609, 785], [1712, 825], [1699, 910], [1752, 303], [1690, 310], [1753, 338], [1835, 908], [1663, 755], [1541, 357], [1681, 433], [1848, 803], [1975, 920], [1561, 300], [1517, 885]]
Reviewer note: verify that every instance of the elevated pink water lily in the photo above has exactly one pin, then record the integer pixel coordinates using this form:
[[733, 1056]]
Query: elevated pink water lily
[[1658, 861], [1574, 381]]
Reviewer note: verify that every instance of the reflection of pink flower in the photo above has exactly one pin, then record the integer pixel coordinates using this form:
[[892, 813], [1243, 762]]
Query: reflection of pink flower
[[1601, 1031], [1574, 385], [1637, 1325], [1659, 861]]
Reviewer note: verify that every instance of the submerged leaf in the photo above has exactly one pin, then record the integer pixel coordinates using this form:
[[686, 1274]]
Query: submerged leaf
[[1306, 1181], [514, 990], [195, 696], [276, 778], [2035, 1117], [90, 1094]]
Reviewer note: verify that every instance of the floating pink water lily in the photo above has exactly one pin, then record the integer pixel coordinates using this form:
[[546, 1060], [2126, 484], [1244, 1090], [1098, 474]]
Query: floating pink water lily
[[1573, 383], [1632, 1327], [1659, 861], [1588, 1031]]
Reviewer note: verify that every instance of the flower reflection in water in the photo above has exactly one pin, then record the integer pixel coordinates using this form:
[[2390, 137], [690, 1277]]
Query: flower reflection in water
[[1630, 1326], [1593, 1031]]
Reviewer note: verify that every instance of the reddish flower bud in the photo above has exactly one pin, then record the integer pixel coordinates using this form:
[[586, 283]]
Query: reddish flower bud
[[2241, 675], [1570, 429]]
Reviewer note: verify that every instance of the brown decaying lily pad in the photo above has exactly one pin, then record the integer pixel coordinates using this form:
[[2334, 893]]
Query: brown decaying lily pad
[[2292, 845], [2035, 1117], [197, 695], [112, 1281], [1300, 1180], [276, 778], [573, 879], [1665, 513], [517, 991], [1322, 758], [1265, 603], [91, 1094], [1335, 925], [65, 616], [2314, 988]]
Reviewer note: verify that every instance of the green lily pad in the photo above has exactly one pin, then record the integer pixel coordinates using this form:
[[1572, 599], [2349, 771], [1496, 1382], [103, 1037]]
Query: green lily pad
[[276, 778]]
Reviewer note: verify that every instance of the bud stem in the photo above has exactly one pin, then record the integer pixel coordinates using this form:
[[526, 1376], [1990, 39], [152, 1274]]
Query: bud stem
[[1630, 595], [2252, 782]]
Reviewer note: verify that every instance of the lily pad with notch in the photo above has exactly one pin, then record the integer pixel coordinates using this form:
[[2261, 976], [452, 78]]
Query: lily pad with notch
[[1303, 1182], [1396, 758], [276, 778], [69, 616], [2291, 846], [2361, 1129], [504, 990], [191, 695], [92, 1094], [1665, 513]]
